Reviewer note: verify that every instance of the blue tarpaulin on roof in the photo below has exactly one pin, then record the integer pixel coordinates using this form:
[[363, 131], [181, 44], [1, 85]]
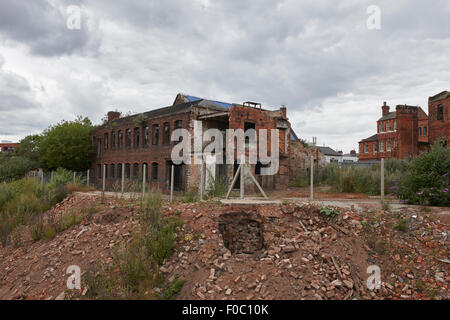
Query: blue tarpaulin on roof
[[292, 137], [222, 104], [192, 98]]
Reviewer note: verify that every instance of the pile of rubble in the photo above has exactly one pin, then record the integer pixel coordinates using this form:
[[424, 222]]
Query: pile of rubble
[[289, 251], [304, 254], [38, 270]]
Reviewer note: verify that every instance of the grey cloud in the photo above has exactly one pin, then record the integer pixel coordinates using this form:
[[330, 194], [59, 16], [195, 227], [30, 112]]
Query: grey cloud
[[42, 26], [15, 92], [302, 54]]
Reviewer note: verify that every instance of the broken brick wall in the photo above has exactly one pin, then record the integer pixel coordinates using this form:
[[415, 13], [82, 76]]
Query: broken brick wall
[[265, 119], [300, 159]]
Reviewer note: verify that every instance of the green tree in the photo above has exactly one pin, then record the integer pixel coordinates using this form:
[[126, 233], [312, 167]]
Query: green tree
[[13, 167], [67, 145], [29, 148], [427, 181]]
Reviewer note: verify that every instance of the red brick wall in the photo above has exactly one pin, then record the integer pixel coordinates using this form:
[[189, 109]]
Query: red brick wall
[[408, 135], [153, 153], [438, 128], [370, 155], [386, 135]]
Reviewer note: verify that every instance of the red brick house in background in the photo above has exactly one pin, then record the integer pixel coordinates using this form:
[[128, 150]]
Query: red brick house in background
[[438, 117], [144, 139], [408, 131], [401, 134], [8, 146]]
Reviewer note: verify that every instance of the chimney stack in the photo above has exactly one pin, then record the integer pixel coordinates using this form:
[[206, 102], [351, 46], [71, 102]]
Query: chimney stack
[[385, 108], [113, 115], [283, 111]]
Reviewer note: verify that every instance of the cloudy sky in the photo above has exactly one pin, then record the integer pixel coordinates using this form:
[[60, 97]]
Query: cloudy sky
[[317, 57]]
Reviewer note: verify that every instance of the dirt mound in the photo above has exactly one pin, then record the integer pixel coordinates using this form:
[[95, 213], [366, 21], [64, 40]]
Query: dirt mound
[[37, 270]]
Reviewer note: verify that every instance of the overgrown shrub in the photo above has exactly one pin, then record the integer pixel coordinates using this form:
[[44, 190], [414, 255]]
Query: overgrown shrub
[[60, 177], [301, 180], [426, 181], [191, 196], [37, 229], [69, 219], [161, 243], [151, 210], [216, 187], [174, 288], [135, 268]]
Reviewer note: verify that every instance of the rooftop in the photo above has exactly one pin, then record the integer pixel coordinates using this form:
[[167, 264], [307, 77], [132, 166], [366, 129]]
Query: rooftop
[[388, 116], [440, 96], [328, 151], [371, 138]]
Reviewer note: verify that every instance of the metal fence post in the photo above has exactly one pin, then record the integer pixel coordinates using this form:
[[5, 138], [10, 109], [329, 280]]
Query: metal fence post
[[144, 167], [41, 176], [242, 190], [202, 178], [103, 184], [123, 178], [382, 181], [87, 178], [311, 190], [171, 182]]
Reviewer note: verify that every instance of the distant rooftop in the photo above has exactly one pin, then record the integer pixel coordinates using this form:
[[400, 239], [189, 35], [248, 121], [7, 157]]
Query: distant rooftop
[[389, 116], [371, 138], [440, 96], [328, 151]]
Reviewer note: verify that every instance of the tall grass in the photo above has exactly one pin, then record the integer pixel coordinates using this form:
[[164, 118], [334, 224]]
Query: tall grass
[[362, 180], [23, 201], [300, 180], [135, 268]]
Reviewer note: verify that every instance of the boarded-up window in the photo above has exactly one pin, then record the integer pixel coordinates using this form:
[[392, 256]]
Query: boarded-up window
[[137, 134], [128, 138], [127, 171], [440, 112], [155, 138], [113, 140], [119, 170], [166, 135], [135, 170], [154, 171], [106, 141], [120, 141], [146, 136]]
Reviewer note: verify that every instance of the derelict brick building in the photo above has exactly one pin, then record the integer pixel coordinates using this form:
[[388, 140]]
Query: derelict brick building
[[145, 139]]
